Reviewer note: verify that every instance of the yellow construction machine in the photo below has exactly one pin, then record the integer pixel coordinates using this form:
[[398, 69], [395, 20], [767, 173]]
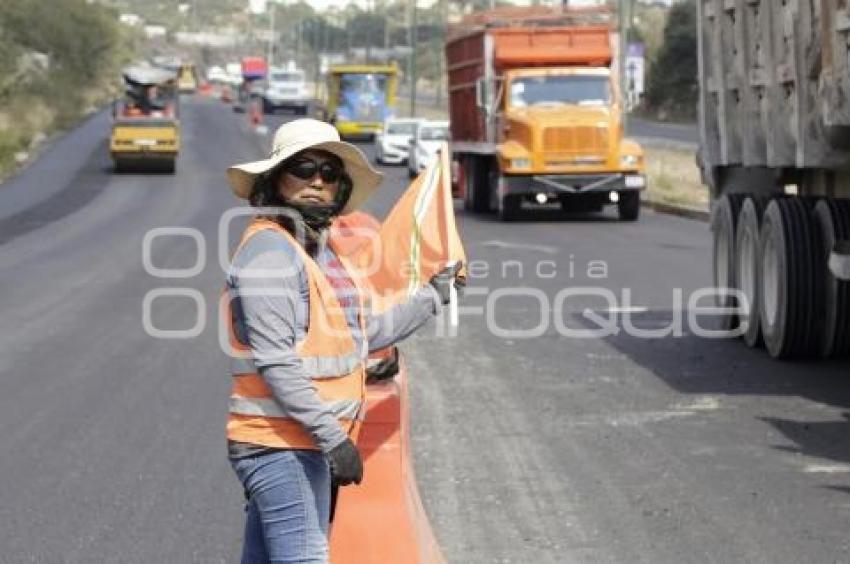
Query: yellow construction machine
[[145, 126]]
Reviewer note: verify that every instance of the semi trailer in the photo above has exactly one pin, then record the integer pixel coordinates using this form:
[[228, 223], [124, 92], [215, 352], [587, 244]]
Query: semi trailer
[[774, 120]]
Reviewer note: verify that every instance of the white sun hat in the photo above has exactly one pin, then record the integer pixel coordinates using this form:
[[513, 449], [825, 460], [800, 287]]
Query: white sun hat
[[299, 135]]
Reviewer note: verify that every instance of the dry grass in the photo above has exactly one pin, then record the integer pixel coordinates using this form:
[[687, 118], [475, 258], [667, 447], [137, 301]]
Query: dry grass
[[673, 177]]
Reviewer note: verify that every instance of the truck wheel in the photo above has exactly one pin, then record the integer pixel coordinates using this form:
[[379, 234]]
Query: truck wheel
[[792, 270], [724, 218], [832, 217], [747, 268], [509, 207], [481, 185], [628, 206], [467, 177]]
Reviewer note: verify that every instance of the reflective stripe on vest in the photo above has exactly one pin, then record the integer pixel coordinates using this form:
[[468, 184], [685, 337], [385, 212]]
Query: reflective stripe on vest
[[268, 407], [317, 367]]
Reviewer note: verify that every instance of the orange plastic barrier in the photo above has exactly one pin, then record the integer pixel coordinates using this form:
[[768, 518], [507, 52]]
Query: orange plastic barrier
[[382, 521]]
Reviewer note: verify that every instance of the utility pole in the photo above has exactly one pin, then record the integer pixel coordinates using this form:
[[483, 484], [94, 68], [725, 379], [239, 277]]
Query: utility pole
[[444, 17], [386, 31], [413, 39], [621, 57], [370, 11], [271, 34]]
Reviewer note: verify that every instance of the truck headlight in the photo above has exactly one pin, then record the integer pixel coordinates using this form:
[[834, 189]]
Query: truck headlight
[[520, 163], [629, 160]]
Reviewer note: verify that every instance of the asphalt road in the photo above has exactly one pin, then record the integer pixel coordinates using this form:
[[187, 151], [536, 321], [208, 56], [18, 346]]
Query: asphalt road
[[531, 444], [683, 133]]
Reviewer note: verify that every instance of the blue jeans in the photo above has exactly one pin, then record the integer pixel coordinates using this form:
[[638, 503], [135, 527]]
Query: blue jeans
[[288, 506]]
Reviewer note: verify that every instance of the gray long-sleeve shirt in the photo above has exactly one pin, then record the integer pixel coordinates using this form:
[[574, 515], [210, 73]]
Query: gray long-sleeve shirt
[[267, 283]]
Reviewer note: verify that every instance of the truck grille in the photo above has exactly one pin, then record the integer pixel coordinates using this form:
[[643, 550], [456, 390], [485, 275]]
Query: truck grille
[[576, 140]]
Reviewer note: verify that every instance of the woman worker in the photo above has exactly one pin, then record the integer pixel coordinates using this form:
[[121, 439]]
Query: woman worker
[[298, 320]]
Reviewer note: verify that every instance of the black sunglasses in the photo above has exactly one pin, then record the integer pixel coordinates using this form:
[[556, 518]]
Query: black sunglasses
[[305, 169]]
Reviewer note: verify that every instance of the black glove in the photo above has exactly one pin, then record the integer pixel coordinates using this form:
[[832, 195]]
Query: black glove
[[346, 466], [384, 370], [443, 280]]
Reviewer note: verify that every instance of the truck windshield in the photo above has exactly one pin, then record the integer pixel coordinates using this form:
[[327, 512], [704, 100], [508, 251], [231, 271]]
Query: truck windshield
[[434, 133], [363, 83], [363, 97], [557, 90]]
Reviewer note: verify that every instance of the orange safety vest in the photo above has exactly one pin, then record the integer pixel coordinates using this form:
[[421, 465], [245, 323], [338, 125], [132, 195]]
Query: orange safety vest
[[328, 353]]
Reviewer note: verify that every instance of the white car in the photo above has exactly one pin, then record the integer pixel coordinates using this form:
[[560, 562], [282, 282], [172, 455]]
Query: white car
[[286, 89], [425, 143], [392, 143]]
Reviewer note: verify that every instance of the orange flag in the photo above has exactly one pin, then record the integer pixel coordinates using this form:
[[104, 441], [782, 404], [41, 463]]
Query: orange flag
[[418, 239]]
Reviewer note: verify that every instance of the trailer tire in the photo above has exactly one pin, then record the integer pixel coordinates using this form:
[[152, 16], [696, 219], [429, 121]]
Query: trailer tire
[[476, 197], [792, 269], [724, 220], [833, 220], [747, 269], [628, 206]]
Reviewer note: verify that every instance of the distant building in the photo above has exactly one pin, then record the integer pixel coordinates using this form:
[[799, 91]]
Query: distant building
[[133, 20], [207, 39], [155, 31]]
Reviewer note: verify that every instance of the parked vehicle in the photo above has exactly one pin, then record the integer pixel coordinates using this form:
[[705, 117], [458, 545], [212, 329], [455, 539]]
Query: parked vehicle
[[392, 143], [537, 115], [360, 98], [774, 112], [286, 90], [424, 144]]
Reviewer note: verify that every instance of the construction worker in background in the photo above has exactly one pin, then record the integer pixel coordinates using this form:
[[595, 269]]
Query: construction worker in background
[[302, 336]]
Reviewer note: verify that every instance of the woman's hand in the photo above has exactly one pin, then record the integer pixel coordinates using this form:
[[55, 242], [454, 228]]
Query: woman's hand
[[443, 280], [346, 466]]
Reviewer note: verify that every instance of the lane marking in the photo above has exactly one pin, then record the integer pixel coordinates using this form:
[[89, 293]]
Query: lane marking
[[827, 469], [520, 247], [705, 403], [627, 309]]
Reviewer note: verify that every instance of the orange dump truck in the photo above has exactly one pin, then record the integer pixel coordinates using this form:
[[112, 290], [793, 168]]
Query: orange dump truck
[[536, 113]]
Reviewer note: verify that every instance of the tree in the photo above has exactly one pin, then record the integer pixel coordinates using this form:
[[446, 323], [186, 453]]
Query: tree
[[672, 87]]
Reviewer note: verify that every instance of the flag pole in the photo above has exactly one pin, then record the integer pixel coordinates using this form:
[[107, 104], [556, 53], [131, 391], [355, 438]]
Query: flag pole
[[446, 186]]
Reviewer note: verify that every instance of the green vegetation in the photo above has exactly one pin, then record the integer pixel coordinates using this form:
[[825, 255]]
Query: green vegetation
[[58, 60], [672, 90]]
